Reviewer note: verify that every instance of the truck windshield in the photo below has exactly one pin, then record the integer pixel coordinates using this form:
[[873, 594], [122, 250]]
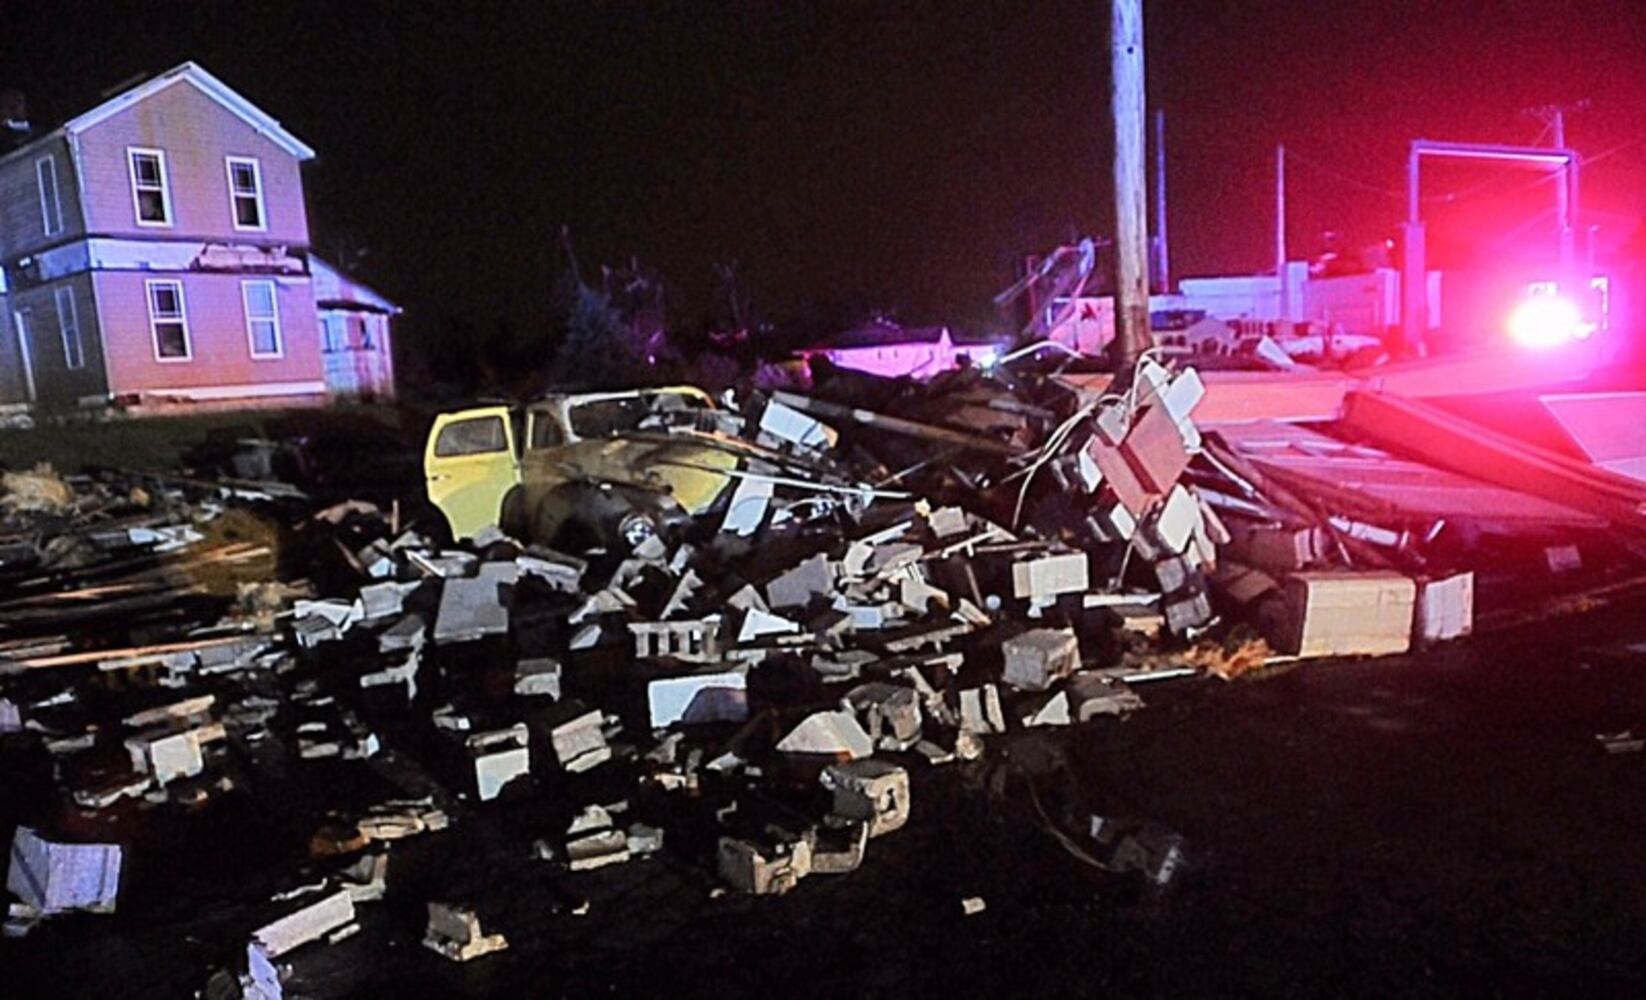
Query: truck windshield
[[650, 411]]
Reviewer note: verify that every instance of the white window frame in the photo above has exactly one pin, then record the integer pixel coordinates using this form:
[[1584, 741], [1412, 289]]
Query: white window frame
[[229, 163], [132, 153], [68, 322], [154, 321], [331, 323], [273, 316], [51, 215], [23, 322]]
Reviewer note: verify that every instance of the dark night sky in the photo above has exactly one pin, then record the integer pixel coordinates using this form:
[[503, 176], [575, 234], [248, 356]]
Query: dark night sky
[[893, 154]]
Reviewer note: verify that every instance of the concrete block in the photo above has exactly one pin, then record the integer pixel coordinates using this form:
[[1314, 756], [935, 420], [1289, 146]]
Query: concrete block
[[839, 851], [55, 877], [580, 744], [980, 711], [1187, 611], [830, 733], [873, 792], [1037, 658], [799, 586], [311, 923], [764, 870], [470, 609], [500, 756], [165, 755], [889, 713], [538, 677], [1048, 576], [455, 933], [1178, 520], [1347, 614], [1046, 709], [1091, 695], [1446, 607]]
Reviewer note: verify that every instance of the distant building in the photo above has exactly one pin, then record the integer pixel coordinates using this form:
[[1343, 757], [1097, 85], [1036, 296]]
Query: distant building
[[156, 248], [884, 348]]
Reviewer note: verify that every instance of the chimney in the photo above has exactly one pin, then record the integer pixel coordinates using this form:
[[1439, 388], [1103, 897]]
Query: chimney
[[14, 119], [14, 110]]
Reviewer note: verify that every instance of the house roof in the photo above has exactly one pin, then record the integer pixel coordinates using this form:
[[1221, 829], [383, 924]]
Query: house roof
[[334, 289], [885, 335], [193, 75]]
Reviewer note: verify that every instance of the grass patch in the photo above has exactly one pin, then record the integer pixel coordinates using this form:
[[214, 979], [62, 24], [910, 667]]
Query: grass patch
[[159, 443]]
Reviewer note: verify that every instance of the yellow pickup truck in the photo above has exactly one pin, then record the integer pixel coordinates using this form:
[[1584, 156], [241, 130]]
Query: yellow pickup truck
[[577, 471]]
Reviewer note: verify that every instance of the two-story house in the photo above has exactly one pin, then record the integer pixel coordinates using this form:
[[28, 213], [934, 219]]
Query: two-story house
[[156, 248]]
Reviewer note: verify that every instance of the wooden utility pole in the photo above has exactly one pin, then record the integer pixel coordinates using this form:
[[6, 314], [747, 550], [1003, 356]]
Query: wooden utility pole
[[1163, 254], [1131, 193], [1283, 312]]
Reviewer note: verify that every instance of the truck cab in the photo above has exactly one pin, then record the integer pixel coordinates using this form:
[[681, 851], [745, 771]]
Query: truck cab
[[603, 468]]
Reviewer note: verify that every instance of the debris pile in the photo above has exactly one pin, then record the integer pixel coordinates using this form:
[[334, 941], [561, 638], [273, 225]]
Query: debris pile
[[881, 578]]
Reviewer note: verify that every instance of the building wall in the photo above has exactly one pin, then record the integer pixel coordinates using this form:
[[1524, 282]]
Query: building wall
[[220, 345], [55, 383], [22, 229], [12, 389], [363, 365], [196, 134]]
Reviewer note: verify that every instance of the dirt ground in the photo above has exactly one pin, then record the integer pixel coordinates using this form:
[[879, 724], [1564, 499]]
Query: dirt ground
[[1438, 825]]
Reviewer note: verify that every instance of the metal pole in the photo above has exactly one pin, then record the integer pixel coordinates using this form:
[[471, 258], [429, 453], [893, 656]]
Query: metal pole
[[1414, 279], [1283, 312], [1163, 258], [1131, 200]]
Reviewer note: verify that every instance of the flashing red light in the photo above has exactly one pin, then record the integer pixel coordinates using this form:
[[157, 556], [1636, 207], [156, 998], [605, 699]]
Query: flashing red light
[[1546, 321]]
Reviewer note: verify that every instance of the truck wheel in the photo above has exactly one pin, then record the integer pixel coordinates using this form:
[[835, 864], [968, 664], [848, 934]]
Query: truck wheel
[[511, 516]]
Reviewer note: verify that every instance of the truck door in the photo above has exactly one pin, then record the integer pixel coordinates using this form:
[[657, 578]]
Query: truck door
[[471, 462]]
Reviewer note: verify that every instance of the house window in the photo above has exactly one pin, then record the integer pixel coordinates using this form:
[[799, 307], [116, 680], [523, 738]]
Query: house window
[[262, 318], [365, 334], [148, 186], [246, 192], [336, 336], [68, 324], [167, 321], [51, 203]]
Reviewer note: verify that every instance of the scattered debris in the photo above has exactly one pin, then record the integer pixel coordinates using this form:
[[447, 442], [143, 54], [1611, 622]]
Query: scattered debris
[[831, 586], [454, 933]]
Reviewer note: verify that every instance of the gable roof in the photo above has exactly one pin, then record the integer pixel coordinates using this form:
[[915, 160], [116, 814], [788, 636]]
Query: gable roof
[[334, 289], [191, 73]]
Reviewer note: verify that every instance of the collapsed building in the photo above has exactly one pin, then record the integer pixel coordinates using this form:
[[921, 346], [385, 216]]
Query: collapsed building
[[895, 577]]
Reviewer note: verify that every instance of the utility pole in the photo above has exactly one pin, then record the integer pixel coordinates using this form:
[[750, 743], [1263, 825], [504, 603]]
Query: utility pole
[[1554, 117], [1163, 257], [1285, 312], [1131, 195]]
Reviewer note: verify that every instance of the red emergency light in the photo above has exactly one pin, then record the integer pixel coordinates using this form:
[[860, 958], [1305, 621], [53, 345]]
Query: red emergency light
[[1547, 321]]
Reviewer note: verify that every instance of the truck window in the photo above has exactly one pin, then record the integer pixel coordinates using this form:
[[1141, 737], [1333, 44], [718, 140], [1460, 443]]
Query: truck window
[[545, 431], [477, 436]]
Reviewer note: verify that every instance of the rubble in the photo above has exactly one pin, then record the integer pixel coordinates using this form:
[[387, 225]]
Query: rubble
[[454, 932], [1348, 614], [865, 594], [872, 792], [52, 877]]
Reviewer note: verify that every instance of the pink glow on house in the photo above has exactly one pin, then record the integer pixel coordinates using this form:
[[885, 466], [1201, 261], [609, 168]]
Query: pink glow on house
[[357, 353], [156, 248]]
